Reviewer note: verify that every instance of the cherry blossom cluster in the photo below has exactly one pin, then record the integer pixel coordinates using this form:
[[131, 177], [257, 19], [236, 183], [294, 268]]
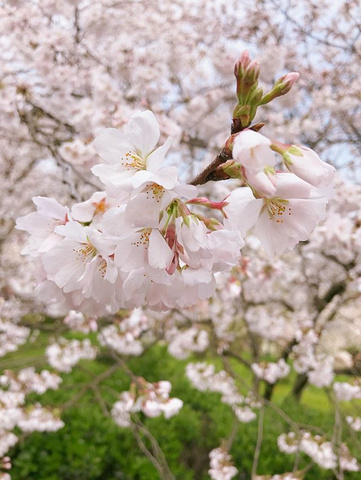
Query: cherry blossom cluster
[[270, 371], [79, 322], [204, 378], [319, 450], [12, 336], [345, 391], [354, 422], [318, 367], [124, 336], [139, 242], [150, 398], [15, 413], [221, 465], [64, 354]]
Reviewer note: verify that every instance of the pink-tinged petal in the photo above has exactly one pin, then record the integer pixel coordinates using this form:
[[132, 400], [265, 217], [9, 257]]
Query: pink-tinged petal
[[143, 130], [61, 264], [167, 177], [50, 207], [103, 245], [194, 236], [242, 210], [156, 158], [84, 211], [35, 224], [72, 230], [311, 168], [159, 253], [131, 252], [289, 185], [143, 210], [50, 242], [112, 272], [282, 232], [112, 174], [271, 238], [262, 183], [141, 177], [253, 150], [114, 223], [193, 277], [112, 144], [134, 286], [301, 217], [186, 191]]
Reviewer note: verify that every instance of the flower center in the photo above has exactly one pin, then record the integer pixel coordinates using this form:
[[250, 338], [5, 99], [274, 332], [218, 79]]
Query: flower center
[[86, 253], [102, 267], [277, 208], [155, 192], [143, 237], [101, 206], [133, 161]]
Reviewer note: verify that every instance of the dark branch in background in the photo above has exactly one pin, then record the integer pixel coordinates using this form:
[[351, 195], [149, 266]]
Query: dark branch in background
[[28, 118]]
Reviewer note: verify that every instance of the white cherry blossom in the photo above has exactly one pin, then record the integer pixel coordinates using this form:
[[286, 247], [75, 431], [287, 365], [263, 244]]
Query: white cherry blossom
[[42, 224], [282, 220], [130, 156]]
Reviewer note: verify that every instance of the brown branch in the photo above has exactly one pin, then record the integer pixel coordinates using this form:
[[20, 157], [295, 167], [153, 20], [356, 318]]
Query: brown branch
[[259, 442], [210, 173]]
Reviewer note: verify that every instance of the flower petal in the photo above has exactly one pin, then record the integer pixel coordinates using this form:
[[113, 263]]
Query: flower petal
[[159, 253], [155, 159], [112, 144], [143, 130]]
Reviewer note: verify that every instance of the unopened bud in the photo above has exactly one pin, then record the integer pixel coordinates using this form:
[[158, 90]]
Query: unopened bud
[[281, 87], [242, 63], [279, 147], [208, 203], [256, 97], [210, 222], [252, 73], [285, 83], [243, 113]]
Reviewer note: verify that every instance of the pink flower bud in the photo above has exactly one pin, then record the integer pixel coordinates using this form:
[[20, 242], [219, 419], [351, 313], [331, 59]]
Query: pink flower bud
[[252, 72], [208, 203], [242, 62], [281, 87], [285, 83]]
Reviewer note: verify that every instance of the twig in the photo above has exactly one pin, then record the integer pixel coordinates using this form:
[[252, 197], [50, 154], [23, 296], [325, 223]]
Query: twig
[[209, 173], [259, 442]]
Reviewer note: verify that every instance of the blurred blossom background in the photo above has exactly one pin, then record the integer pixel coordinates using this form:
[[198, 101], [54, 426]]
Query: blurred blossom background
[[69, 69]]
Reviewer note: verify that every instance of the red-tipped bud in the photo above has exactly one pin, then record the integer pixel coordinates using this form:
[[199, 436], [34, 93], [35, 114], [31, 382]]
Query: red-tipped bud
[[208, 203], [252, 73], [211, 223], [242, 63], [285, 83], [281, 87]]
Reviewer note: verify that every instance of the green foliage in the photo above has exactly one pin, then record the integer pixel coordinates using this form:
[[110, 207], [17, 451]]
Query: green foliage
[[92, 447]]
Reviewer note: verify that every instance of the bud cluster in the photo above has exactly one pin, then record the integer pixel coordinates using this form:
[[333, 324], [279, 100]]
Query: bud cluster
[[250, 94]]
